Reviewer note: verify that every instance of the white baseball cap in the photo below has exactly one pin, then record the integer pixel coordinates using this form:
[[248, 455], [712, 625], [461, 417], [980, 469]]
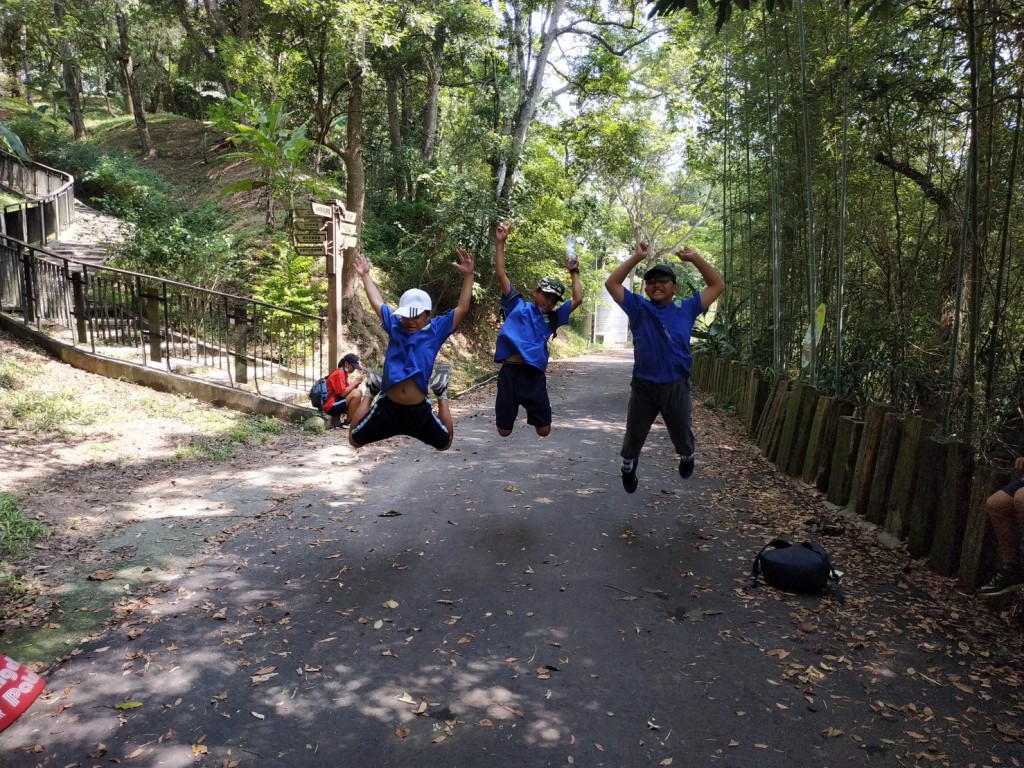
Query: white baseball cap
[[413, 303]]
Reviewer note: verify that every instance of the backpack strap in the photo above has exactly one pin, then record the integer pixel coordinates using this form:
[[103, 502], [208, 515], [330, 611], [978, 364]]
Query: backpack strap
[[832, 575]]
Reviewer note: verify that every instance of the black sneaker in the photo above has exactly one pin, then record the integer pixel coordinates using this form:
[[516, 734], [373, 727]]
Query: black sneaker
[[336, 422], [686, 466], [1008, 578], [629, 481], [439, 381]]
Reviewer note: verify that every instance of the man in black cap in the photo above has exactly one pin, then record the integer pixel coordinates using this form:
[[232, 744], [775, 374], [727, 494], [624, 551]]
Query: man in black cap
[[661, 331], [343, 392]]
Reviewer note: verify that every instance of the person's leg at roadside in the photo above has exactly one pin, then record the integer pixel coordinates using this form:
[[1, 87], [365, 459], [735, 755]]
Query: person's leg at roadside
[[1005, 512], [337, 411], [640, 415], [352, 401]]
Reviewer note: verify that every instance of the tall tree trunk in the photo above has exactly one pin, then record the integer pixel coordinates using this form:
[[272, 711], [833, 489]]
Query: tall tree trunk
[[128, 70], [433, 95], [355, 187], [532, 64], [391, 86], [70, 75]]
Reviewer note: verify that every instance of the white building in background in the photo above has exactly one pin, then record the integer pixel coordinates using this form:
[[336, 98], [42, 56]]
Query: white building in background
[[605, 322]]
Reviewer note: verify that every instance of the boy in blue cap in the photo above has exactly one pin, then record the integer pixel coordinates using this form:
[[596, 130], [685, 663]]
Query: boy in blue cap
[[661, 354], [414, 338], [522, 347]]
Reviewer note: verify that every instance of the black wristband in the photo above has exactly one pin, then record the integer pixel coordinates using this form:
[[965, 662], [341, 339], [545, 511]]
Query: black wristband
[[574, 271]]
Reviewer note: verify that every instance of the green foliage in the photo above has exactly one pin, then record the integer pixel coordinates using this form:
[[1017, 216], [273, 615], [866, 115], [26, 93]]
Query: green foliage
[[11, 142], [79, 159], [123, 185], [285, 280], [267, 138], [190, 247], [17, 531]]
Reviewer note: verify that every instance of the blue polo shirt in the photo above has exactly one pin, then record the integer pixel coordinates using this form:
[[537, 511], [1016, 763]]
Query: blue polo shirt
[[661, 336], [526, 329], [412, 355]]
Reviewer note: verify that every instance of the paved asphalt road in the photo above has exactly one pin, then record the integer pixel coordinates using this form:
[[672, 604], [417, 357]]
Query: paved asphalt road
[[507, 604]]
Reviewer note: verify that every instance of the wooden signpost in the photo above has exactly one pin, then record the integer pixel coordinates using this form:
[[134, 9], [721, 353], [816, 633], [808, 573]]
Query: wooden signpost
[[327, 230]]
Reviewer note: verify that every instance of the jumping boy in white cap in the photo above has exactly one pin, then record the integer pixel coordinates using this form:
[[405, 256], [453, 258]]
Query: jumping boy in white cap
[[522, 347], [414, 339], [661, 354]]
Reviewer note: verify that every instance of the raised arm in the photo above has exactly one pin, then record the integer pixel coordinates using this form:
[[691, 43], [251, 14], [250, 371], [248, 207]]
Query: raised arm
[[362, 267], [500, 236], [618, 276], [715, 283], [573, 265], [465, 266]]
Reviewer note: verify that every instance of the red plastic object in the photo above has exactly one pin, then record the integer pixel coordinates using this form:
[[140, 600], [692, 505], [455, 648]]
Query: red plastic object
[[19, 687]]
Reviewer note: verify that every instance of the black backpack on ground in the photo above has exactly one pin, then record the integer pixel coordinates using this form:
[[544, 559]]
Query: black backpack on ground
[[803, 567]]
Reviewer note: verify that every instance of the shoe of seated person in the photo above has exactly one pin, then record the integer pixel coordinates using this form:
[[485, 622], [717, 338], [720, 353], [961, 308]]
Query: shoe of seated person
[[1009, 578], [439, 381]]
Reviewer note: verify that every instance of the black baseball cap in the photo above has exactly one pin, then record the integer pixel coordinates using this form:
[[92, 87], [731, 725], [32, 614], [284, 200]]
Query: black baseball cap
[[660, 269], [352, 359]]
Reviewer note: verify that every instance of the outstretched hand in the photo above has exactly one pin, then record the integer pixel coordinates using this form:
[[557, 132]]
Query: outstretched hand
[[501, 233], [687, 254], [642, 249], [361, 264], [465, 262]]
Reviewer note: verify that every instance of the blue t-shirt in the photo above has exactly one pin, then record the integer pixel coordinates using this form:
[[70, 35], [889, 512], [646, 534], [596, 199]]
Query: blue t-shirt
[[526, 329], [412, 355], [661, 336]]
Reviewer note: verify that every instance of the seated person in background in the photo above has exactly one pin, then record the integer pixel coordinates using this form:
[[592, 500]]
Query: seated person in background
[[1005, 509], [343, 393]]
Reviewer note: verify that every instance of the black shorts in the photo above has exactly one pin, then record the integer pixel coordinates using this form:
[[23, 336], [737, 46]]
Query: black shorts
[[340, 406], [1013, 486], [386, 418], [522, 385]]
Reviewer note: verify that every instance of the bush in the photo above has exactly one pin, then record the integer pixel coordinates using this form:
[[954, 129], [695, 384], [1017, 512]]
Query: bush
[[185, 247], [125, 185]]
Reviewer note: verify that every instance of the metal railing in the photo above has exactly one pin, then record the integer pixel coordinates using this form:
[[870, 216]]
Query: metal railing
[[51, 209], [209, 335]]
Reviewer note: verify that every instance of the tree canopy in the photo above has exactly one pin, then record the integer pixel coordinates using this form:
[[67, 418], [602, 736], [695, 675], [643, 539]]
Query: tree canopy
[[859, 158]]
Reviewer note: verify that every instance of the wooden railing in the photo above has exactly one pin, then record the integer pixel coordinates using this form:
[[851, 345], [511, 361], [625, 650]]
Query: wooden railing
[[50, 205], [889, 468]]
